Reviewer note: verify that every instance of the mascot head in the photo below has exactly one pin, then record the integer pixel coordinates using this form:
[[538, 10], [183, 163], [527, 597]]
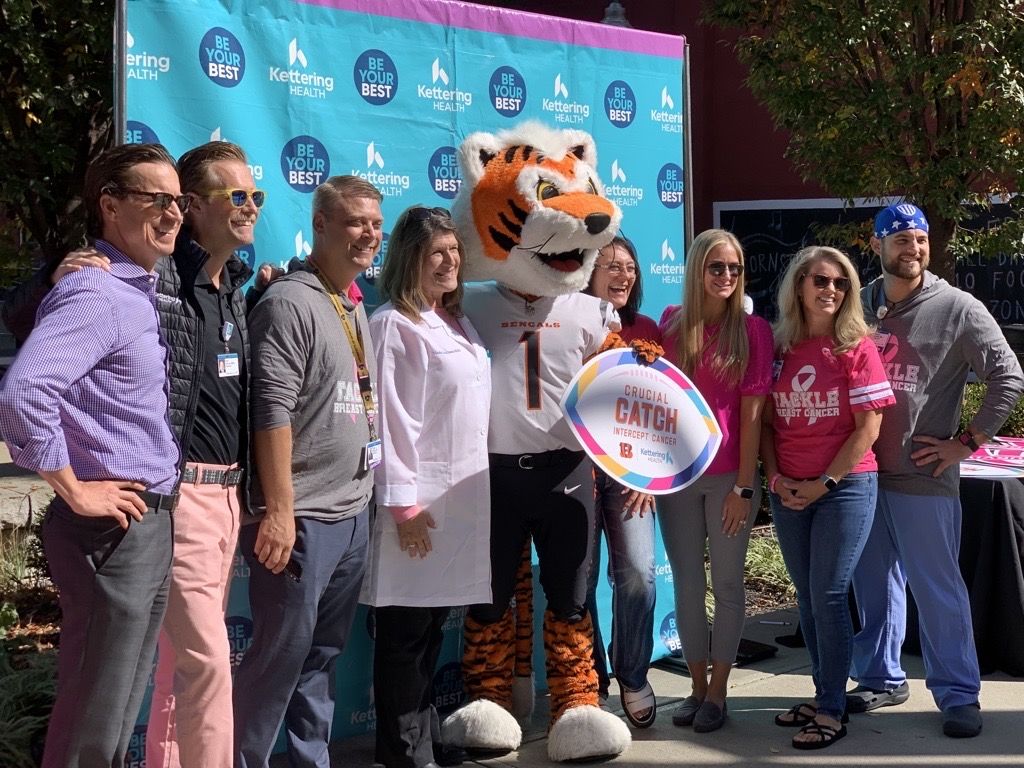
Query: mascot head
[[531, 210]]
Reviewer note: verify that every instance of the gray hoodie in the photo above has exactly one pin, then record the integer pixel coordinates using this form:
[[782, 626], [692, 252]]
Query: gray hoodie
[[927, 343], [303, 375]]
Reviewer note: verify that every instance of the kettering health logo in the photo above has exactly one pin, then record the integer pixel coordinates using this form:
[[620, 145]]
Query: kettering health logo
[[619, 103], [443, 172], [670, 120], [670, 185], [442, 97], [625, 194], [309, 85], [376, 77], [507, 91], [222, 58], [562, 108], [305, 163], [139, 133], [670, 269], [389, 183], [141, 65]]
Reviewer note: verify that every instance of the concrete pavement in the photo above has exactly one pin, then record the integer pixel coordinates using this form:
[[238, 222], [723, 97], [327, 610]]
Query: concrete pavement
[[908, 736]]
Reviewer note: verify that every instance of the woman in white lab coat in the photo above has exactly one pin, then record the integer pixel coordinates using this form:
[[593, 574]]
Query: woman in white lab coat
[[430, 547]]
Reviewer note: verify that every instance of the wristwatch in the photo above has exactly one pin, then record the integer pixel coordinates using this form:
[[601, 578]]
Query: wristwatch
[[966, 438], [743, 493], [829, 482]]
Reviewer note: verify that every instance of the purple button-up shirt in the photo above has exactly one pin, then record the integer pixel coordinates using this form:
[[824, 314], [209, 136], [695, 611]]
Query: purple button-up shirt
[[89, 388]]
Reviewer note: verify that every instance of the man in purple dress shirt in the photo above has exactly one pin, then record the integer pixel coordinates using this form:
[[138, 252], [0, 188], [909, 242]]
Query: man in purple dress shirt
[[85, 406]]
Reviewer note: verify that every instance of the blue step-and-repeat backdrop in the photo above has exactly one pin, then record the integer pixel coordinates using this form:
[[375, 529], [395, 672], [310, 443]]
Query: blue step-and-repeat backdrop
[[387, 91]]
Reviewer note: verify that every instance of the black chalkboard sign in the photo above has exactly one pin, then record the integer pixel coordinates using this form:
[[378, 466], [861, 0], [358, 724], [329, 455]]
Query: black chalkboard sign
[[770, 236]]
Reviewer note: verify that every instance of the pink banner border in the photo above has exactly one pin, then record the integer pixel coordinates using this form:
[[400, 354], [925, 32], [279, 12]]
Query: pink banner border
[[517, 23]]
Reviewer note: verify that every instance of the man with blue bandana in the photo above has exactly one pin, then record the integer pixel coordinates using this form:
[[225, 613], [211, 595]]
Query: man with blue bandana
[[929, 335]]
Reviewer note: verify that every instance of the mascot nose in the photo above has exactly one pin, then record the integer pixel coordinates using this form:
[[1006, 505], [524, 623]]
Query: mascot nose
[[596, 222]]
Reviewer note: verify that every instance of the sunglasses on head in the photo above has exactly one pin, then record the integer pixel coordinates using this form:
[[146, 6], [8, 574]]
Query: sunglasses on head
[[718, 268], [162, 200], [420, 213], [842, 284], [239, 197]]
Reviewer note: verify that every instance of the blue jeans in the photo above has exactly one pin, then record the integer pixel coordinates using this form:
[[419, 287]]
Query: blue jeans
[[631, 573], [916, 539], [821, 546]]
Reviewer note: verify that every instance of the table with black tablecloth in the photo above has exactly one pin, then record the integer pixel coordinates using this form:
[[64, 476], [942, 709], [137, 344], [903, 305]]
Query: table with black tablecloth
[[992, 564]]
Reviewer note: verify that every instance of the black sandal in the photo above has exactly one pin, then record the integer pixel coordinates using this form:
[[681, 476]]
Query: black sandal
[[827, 736], [798, 716]]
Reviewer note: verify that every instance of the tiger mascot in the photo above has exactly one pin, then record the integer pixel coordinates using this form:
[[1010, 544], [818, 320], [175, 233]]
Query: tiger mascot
[[532, 216]]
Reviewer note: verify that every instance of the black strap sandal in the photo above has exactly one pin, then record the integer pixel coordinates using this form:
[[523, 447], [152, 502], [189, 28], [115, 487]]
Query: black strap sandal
[[799, 716], [827, 736]]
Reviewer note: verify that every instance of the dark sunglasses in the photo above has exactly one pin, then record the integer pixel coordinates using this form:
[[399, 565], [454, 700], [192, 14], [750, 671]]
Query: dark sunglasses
[[240, 197], [718, 268], [162, 200], [420, 213], [842, 284]]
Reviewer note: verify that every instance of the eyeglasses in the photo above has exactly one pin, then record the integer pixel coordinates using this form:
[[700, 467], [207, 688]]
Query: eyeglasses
[[162, 200], [842, 284], [420, 213], [239, 197], [617, 269], [718, 268]]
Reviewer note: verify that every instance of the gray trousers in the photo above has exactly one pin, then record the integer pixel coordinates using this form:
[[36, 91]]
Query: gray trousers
[[113, 591], [688, 519], [299, 630]]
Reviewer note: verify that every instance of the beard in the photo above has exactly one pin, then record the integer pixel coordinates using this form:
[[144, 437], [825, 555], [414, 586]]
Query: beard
[[906, 270]]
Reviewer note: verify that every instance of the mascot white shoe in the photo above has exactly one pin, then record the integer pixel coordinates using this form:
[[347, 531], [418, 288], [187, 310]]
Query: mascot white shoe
[[532, 215]]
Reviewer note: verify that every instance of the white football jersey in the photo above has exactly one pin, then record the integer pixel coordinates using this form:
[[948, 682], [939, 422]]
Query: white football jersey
[[535, 348]]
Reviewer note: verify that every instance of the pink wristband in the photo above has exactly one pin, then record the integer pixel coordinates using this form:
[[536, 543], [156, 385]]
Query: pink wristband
[[773, 481]]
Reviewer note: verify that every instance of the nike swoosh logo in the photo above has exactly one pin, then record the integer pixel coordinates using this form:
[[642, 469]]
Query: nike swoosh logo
[[567, 490]]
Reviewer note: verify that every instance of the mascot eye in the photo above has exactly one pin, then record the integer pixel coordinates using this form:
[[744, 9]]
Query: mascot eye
[[593, 188], [546, 190]]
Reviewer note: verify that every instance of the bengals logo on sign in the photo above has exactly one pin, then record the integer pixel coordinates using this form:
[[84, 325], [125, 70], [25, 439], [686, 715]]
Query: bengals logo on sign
[[626, 450]]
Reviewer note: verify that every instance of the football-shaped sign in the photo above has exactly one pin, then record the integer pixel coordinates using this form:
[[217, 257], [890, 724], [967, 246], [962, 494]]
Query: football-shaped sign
[[646, 426]]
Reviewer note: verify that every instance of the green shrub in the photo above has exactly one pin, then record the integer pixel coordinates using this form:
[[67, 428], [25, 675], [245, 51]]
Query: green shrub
[[973, 397]]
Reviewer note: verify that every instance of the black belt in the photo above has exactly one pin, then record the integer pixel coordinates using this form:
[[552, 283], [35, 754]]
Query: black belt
[[536, 460], [159, 501], [225, 477]]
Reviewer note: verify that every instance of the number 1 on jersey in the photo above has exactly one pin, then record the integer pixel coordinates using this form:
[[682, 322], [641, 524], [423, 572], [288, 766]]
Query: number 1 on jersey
[[532, 352]]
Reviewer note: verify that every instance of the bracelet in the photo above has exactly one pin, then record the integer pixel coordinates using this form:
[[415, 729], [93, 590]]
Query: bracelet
[[773, 481]]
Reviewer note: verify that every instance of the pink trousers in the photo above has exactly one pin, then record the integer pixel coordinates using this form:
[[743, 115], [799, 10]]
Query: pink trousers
[[190, 722]]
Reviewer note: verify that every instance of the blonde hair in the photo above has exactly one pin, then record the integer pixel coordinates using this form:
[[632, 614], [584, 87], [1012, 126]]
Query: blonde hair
[[408, 246], [848, 326], [731, 349]]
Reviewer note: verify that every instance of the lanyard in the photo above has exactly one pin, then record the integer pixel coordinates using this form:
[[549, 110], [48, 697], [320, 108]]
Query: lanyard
[[362, 370]]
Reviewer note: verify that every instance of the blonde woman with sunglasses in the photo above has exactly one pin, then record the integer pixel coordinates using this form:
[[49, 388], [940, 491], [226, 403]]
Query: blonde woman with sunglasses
[[728, 355], [827, 399]]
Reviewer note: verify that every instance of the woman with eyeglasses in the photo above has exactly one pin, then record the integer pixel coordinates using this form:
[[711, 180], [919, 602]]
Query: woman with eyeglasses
[[727, 354], [827, 398], [626, 517], [430, 547]]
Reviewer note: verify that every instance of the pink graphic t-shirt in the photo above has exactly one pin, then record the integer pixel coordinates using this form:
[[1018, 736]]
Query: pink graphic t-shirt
[[724, 397], [815, 394]]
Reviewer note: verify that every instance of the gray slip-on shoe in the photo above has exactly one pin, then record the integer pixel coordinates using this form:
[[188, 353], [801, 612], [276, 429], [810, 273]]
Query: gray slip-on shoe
[[686, 711], [864, 699], [962, 722], [710, 717]]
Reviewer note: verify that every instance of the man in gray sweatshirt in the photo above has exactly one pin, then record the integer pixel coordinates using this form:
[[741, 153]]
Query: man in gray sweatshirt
[[929, 335], [315, 447]]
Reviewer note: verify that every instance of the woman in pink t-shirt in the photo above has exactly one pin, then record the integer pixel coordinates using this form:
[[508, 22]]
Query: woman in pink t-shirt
[[626, 519], [727, 354], [827, 398]]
